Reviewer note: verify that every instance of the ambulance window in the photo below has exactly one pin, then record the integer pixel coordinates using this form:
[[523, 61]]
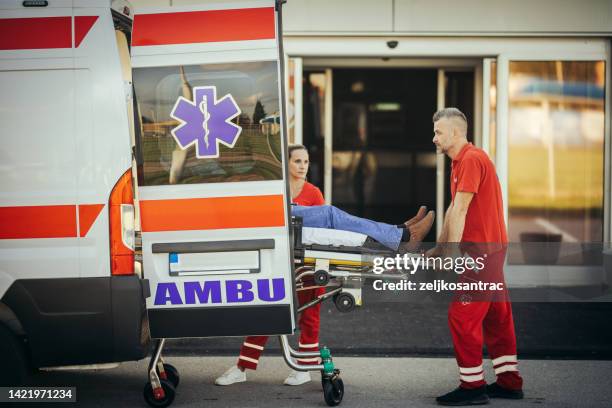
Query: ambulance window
[[230, 120]]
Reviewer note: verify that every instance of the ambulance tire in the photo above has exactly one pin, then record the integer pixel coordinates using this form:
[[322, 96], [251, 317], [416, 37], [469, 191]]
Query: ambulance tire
[[13, 359], [172, 374], [169, 394], [333, 391]]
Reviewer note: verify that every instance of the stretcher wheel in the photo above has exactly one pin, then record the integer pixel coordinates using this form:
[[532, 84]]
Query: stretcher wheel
[[333, 390], [321, 277], [172, 374], [345, 302], [165, 400]]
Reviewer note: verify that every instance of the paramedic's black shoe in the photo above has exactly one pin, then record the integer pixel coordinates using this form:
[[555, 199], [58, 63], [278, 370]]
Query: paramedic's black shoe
[[463, 397], [497, 391]]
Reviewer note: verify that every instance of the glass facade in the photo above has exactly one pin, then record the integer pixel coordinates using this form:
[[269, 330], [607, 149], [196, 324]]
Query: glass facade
[[555, 151]]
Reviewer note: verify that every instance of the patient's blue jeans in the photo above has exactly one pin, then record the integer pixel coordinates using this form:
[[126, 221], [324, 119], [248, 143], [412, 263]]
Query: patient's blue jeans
[[327, 216]]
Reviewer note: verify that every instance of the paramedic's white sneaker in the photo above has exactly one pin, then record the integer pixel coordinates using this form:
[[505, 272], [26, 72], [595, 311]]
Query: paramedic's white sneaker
[[231, 376], [297, 378]]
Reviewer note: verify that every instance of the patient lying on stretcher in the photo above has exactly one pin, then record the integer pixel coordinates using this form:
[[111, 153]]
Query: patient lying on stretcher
[[401, 238]]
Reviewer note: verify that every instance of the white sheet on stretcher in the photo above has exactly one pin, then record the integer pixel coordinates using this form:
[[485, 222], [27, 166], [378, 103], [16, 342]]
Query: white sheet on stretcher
[[325, 236]]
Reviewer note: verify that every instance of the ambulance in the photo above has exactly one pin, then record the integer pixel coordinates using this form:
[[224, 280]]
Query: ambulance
[[128, 139], [69, 291]]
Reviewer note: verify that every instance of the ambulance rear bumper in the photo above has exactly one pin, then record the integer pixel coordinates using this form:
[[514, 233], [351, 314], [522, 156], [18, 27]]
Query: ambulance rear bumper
[[77, 321]]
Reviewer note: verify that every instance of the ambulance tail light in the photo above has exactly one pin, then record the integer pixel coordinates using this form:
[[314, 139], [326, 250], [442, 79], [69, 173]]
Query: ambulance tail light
[[121, 220]]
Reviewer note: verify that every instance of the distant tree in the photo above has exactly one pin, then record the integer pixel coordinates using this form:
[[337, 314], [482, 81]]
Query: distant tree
[[259, 112], [242, 119]]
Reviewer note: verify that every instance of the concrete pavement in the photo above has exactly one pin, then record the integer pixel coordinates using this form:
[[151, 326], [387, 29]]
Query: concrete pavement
[[369, 382]]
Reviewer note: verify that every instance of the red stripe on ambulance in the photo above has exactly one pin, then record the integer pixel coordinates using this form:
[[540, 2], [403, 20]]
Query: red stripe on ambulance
[[204, 26], [82, 25], [87, 216], [47, 221], [43, 32], [212, 213], [41, 221]]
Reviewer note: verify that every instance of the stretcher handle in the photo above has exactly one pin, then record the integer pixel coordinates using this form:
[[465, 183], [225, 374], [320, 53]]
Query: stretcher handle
[[346, 274], [319, 299]]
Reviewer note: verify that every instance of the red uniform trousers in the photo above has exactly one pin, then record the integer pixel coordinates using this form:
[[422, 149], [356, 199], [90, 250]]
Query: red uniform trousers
[[308, 323], [485, 317], [492, 321]]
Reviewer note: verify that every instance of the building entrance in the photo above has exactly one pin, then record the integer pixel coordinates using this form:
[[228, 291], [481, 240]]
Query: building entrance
[[383, 162]]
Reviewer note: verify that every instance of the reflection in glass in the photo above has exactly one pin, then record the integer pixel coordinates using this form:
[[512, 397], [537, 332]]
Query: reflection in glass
[[315, 86], [383, 160], [290, 89], [256, 154], [555, 152], [493, 112]]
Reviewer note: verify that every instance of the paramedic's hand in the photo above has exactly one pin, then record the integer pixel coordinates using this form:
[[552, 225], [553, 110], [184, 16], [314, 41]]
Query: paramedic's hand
[[446, 251], [434, 252]]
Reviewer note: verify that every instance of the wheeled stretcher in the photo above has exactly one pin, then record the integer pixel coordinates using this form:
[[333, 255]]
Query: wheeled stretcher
[[340, 262]]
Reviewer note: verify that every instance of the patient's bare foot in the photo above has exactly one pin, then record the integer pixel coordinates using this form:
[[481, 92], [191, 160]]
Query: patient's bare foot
[[418, 231], [418, 217]]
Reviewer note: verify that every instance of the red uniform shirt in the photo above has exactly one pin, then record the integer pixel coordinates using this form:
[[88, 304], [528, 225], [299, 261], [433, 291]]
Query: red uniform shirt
[[473, 172], [309, 196]]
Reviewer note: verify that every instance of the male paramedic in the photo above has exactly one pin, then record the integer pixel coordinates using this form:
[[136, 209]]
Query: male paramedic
[[476, 217]]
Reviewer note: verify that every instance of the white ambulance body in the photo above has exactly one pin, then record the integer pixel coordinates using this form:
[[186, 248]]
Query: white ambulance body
[[68, 290]]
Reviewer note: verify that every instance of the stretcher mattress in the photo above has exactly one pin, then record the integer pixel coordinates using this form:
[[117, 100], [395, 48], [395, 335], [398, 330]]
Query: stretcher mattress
[[332, 237]]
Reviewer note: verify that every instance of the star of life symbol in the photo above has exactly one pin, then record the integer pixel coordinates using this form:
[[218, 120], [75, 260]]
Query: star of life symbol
[[206, 122]]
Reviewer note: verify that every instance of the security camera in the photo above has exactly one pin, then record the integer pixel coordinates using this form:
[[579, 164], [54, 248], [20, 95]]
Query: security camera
[[392, 44]]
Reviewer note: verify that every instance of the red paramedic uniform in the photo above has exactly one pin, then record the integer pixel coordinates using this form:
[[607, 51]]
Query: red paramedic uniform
[[472, 322], [309, 319]]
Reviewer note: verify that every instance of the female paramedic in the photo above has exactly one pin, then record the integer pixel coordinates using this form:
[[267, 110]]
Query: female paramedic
[[304, 194]]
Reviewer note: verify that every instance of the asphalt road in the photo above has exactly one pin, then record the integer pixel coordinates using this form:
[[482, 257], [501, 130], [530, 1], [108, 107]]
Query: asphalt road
[[369, 382], [387, 328]]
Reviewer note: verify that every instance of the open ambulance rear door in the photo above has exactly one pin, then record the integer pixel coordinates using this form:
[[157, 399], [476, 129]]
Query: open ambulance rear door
[[212, 178]]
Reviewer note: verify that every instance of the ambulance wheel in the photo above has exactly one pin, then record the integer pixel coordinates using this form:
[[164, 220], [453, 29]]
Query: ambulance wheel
[[333, 391], [321, 277], [165, 401], [345, 302], [172, 374], [15, 365]]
